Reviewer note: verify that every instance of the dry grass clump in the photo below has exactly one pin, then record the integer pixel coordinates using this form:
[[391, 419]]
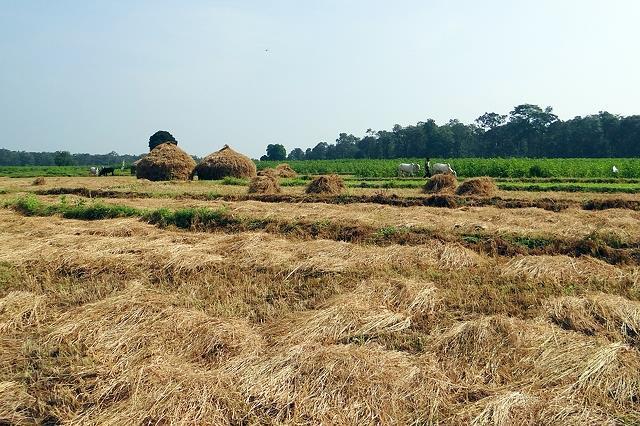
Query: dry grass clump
[[223, 163], [343, 319], [19, 310], [442, 182], [306, 384], [560, 268], [39, 181], [137, 323], [264, 185], [162, 391], [486, 347], [16, 405], [328, 185], [613, 316], [166, 162], [506, 409], [482, 186], [284, 170]]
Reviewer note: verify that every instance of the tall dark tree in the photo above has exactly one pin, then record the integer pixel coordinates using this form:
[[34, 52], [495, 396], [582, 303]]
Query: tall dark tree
[[160, 137], [276, 152], [296, 154]]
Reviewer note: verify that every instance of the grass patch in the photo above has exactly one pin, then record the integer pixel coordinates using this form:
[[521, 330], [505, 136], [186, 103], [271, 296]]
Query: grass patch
[[235, 181]]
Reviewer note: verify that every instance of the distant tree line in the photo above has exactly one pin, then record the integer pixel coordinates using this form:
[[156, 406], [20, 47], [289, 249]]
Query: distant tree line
[[62, 158], [65, 158], [528, 131]]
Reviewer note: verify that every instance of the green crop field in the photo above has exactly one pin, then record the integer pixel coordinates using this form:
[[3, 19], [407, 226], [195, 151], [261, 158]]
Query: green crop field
[[470, 167]]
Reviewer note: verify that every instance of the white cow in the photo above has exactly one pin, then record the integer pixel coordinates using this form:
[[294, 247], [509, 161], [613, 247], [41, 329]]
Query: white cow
[[94, 171], [408, 169], [438, 168], [615, 170]]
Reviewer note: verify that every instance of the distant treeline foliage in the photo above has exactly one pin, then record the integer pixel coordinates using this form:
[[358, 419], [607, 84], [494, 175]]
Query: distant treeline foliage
[[528, 131], [62, 158]]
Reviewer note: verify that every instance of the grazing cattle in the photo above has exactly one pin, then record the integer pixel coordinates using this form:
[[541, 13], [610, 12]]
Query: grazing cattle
[[94, 171], [410, 169], [106, 170], [437, 168]]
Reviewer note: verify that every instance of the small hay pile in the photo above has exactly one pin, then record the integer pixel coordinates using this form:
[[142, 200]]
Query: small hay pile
[[440, 183], [268, 172], [482, 186], [284, 170], [328, 184], [39, 181], [223, 163], [166, 162], [264, 185]]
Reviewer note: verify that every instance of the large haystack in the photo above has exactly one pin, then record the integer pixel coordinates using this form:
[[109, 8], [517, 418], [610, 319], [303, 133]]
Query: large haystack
[[440, 183], [264, 185], [482, 186], [165, 162], [284, 170], [223, 163], [328, 184]]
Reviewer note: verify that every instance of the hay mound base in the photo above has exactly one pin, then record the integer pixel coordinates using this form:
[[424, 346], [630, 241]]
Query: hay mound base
[[166, 162], [329, 184], [440, 183], [264, 185], [223, 163], [38, 181], [482, 186], [284, 170]]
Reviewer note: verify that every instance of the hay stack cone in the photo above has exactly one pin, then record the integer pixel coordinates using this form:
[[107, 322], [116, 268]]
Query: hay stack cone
[[440, 183], [328, 185], [223, 163], [268, 172], [482, 186], [264, 185], [166, 162], [284, 170]]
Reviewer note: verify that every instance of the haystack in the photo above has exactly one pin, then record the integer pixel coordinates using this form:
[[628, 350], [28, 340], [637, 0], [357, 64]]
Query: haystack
[[440, 183], [38, 181], [328, 184], [166, 162], [264, 185], [223, 163], [268, 172], [482, 186], [284, 170]]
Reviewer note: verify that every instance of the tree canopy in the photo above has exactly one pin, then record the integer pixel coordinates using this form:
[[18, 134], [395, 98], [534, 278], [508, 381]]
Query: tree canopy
[[160, 137], [527, 131]]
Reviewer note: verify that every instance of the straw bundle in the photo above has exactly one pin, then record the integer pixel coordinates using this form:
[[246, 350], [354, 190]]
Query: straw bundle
[[223, 163], [443, 182], [329, 184], [482, 186], [264, 185], [166, 162]]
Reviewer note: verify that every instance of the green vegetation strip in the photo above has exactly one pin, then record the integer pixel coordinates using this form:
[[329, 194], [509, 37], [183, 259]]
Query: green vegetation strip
[[609, 248]]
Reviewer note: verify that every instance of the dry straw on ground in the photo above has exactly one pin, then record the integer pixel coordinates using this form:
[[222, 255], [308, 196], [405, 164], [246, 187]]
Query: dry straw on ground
[[482, 186], [443, 182], [166, 162], [264, 185], [39, 181], [284, 170], [328, 184], [223, 163]]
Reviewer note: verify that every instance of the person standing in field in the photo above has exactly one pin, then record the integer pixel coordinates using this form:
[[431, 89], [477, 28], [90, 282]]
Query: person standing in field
[[427, 172]]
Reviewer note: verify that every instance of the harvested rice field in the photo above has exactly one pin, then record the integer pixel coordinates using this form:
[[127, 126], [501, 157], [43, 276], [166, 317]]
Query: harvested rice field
[[126, 301]]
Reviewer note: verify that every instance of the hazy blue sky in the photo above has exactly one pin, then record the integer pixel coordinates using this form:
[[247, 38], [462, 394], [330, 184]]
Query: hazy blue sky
[[97, 76]]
